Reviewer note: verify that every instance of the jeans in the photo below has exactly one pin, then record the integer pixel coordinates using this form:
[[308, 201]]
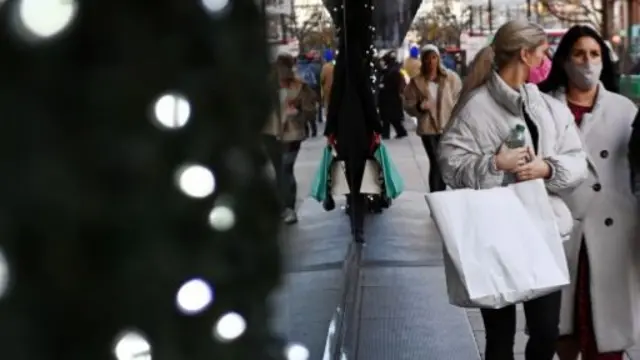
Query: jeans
[[430, 143], [274, 151], [543, 317], [289, 184]]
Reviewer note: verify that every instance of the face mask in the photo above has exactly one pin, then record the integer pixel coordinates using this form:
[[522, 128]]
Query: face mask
[[585, 76], [539, 73]]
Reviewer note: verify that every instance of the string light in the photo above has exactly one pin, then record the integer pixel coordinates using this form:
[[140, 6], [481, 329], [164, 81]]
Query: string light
[[196, 181], [215, 5], [194, 296], [222, 218], [132, 345], [230, 327], [46, 18], [296, 351], [171, 111]]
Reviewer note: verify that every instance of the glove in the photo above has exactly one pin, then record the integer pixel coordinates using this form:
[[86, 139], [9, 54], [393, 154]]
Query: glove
[[375, 141], [331, 140]]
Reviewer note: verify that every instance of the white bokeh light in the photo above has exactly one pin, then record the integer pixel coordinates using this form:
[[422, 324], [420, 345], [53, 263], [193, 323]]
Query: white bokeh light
[[196, 181], [172, 111], [4, 274], [296, 351], [194, 296], [222, 218], [215, 5], [132, 345], [230, 327], [46, 18]]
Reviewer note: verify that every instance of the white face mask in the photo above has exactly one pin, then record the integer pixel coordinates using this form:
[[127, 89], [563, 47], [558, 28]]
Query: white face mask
[[584, 76]]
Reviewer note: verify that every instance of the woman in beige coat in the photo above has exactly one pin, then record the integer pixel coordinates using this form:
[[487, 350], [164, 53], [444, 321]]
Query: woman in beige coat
[[430, 97], [287, 127], [601, 308]]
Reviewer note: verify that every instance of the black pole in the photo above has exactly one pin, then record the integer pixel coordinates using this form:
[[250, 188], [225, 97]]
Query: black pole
[[490, 8], [529, 10]]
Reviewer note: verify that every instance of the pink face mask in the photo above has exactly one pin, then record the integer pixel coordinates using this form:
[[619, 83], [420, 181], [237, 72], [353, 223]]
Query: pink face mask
[[538, 74]]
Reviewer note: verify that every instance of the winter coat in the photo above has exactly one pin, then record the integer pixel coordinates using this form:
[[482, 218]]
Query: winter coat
[[449, 86], [467, 149], [606, 216]]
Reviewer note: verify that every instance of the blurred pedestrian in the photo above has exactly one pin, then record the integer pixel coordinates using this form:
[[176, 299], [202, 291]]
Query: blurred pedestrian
[[430, 97], [391, 87]]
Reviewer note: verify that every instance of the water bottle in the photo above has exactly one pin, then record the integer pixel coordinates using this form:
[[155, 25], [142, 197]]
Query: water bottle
[[516, 137]]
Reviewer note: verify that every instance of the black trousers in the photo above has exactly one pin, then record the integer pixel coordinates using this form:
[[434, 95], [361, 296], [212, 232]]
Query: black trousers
[[391, 114], [543, 317], [430, 143], [398, 127], [356, 201]]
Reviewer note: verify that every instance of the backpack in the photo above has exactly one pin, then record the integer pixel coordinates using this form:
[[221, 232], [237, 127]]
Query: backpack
[[308, 75]]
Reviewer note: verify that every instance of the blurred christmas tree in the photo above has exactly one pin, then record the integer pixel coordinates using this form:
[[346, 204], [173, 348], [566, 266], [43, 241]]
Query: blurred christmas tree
[[136, 219]]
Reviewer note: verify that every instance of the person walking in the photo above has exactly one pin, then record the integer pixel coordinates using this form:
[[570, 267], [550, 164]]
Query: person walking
[[390, 90], [430, 97], [601, 308], [472, 154], [326, 79], [308, 71], [285, 131]]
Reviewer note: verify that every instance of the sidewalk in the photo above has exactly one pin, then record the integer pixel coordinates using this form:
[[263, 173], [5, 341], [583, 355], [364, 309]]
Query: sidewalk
[[405, 313]]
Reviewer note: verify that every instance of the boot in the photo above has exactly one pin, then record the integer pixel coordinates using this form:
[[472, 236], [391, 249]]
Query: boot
[[357, 219]]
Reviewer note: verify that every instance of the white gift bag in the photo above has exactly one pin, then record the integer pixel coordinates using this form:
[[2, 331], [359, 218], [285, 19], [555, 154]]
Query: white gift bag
[[370, 184], [501, 246]]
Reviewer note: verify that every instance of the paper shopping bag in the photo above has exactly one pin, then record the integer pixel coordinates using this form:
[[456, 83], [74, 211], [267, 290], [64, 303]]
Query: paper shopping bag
[[319, 186], [370, 183], [394, 185], [501, 246]]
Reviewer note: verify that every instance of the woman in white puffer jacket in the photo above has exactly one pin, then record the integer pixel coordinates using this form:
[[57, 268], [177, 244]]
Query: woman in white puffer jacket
[[494, 99]]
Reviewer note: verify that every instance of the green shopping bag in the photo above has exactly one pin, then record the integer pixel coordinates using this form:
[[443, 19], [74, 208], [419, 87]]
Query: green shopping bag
[[319, 186], [392, 180]]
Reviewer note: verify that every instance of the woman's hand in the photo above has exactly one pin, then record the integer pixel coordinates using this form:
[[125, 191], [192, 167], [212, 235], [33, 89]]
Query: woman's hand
[[535, 169], [427, 105], [291, 111], [510, 159]]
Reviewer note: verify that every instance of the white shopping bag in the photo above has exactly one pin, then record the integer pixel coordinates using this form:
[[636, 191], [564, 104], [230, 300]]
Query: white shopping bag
[[501, 245], [371, 183]]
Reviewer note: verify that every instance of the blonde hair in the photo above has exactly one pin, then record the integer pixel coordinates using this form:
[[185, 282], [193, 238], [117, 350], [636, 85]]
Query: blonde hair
[[510, 38]]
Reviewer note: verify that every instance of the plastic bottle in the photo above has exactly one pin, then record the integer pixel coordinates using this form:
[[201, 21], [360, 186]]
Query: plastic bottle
[[516, 138]]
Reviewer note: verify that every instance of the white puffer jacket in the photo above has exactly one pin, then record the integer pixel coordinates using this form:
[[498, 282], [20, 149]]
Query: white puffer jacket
[[484, 122]]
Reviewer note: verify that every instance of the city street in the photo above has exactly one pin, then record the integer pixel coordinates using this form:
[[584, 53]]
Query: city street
[[402, 310]]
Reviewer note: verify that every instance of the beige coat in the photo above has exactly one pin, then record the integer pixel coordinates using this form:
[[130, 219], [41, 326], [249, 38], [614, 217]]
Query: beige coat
[[607, 216], [449, 86], [469, 145], [289, 128]]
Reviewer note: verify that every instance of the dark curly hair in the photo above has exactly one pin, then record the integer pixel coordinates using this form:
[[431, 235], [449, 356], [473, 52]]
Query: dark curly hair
[[558, 77]]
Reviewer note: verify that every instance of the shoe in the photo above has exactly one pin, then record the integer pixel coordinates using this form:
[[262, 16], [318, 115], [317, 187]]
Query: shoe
[[290, 217], [329, 204], [402, 136]]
